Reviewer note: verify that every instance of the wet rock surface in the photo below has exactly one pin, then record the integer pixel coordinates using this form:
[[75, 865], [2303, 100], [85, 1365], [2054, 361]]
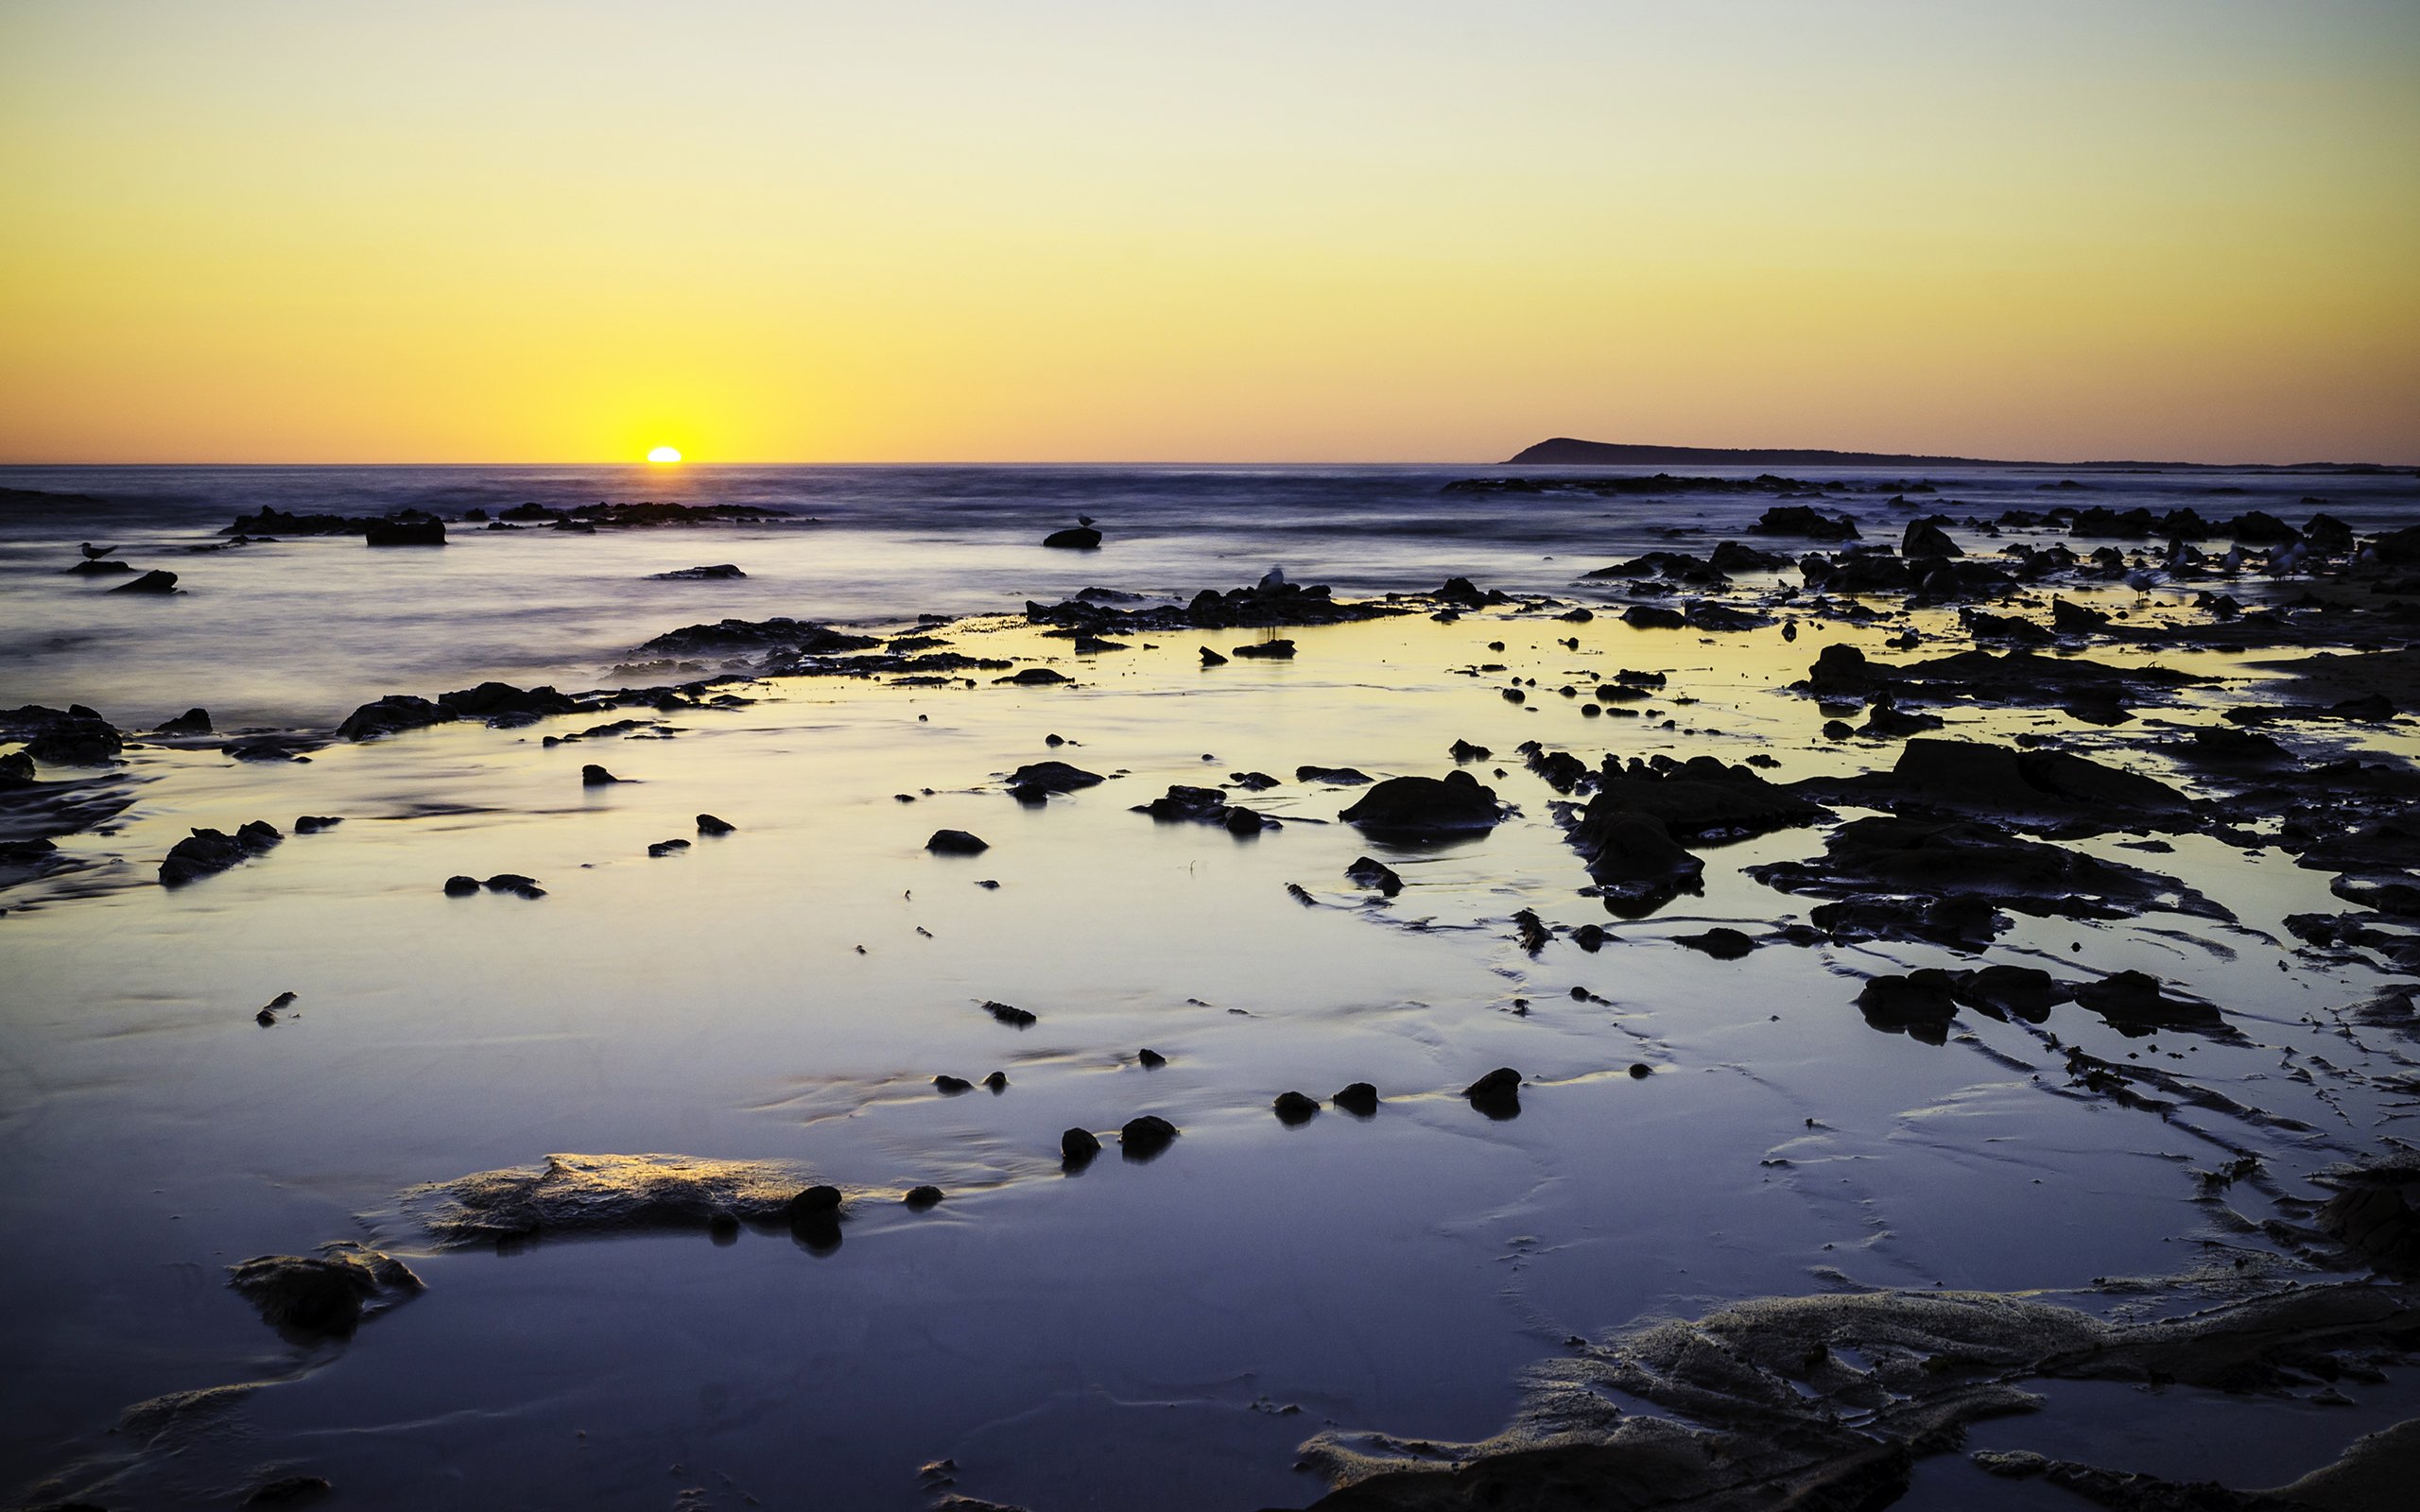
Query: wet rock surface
[[1457, 802], [323, 1295], [572, 1194]]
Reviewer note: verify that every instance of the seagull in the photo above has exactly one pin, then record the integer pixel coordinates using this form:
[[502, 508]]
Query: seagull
[[1274, 578], [93, 553], [1083, 519]]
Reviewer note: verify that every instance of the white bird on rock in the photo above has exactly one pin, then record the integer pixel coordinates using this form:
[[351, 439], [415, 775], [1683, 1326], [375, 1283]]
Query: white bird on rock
[[93, 553]]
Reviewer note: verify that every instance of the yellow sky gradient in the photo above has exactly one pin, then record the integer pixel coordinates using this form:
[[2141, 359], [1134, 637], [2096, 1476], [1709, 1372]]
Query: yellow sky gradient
[[1202, 231]]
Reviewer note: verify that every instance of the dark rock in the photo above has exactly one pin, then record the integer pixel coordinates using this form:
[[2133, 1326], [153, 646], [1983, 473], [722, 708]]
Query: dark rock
[[1035, 677], [314, 823], [1340, 776], [152, 582], [1212, 659], [1925, 539], [1426, 805], [1293, 1108], [323, 1295], [405, 533], [461, 886], [1053, 776], [708, 824], [99, 569], [1078, 1146], [206, 853], [2134, 1004], [393, 713], [2025, 992], [1700, 799], [595, 776], [16, 769], [1940, 859], [74, 741], [1252, 781], [1531, 931], [1361, 1099], [1961, 922], [192, 722], [789, 636], [1590, 938], [920, 1198], [1462, 751], [1723, 944], [1921, 1003], [953, 1084], [1636, 859], [956, 842], [1800, 520], [1498, 1095], [1075, 538], [720, 571], [1640, 1070], [1150, 1059], [1016, 1018], [1369, 874], [2069, 618], [1271, 650], [516, 883], [1141, 1138], [667, 848], [1655, 617]]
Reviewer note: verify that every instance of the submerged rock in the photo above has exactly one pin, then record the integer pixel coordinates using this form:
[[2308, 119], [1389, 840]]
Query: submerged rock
[[604, 1193], [1454, 805], [1829, 1401], [1722, 942], [593, 775], [1293, 1108], [1265, 650], [1940, 859], [1368, 873], [720, 571], [709, 825], [151, 582], [323, 1295], [956, 842], [2135, 1003], [1016, 1018]]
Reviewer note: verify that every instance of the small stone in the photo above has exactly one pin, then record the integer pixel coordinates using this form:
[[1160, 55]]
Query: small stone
[[997, 1081], [708, 824], [1498, 1095], [1079, 1146], [816, 1201], [953, 1084], [595, 776], [1150, 1060], [1014, 1018], [1293, 1108], [919, 1198], [956, 842], [461, 886], [1639, 1071], [1361, 1099]]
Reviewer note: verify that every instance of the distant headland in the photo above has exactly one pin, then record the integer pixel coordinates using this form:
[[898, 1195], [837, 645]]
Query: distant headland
[[1564, 451]]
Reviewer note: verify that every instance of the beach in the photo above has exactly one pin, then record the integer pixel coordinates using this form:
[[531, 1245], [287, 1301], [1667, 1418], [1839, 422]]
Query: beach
[[1764, 806]]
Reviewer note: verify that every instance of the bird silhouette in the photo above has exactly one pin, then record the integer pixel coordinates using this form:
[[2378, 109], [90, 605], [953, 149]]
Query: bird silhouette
[[1083, 519], [93, 553]]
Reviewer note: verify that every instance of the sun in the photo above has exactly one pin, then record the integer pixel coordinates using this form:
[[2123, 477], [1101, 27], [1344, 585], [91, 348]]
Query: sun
[[664, 454]]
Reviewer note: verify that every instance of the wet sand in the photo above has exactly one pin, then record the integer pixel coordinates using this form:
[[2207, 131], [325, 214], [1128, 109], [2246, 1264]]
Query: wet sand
[[1691, 1132]]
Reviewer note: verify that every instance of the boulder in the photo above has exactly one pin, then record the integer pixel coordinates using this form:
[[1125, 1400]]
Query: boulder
[[1075, 538], [323, 1295], [1053, 776], [192, 722], [1456, 803], [1498, 1095], [427, 532], [1361, 1099], [1366, 872], [1141, 1138], [152, 582], [1293, 1108]]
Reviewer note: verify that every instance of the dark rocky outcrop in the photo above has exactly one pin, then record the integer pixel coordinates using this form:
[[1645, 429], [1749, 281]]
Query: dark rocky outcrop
[[1722, 942], [1275, 650], [720, 571], [1053, 776], [151, 582], [1336, 776], [725, 636], [1456, 803], [1361, 1099], [956, 842], [1075, 538], [1014, 1017], [192, 722], [1294, 1107], [1939, 859], [207, 853], [709, 825], [426, 532]]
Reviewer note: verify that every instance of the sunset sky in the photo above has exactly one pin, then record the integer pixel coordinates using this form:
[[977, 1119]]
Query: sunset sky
[[790, 232]]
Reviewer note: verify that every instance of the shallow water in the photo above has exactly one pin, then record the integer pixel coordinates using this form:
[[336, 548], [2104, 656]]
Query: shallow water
[[1132, 1335]]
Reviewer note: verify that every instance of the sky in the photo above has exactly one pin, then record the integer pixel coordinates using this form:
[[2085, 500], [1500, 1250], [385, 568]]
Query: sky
[[1206, 231]]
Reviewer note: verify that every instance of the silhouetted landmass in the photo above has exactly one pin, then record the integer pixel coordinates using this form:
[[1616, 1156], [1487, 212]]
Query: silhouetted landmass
[[1564, 451]]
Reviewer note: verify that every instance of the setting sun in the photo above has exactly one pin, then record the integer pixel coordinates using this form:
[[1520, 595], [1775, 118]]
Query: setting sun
[[664, 454]]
